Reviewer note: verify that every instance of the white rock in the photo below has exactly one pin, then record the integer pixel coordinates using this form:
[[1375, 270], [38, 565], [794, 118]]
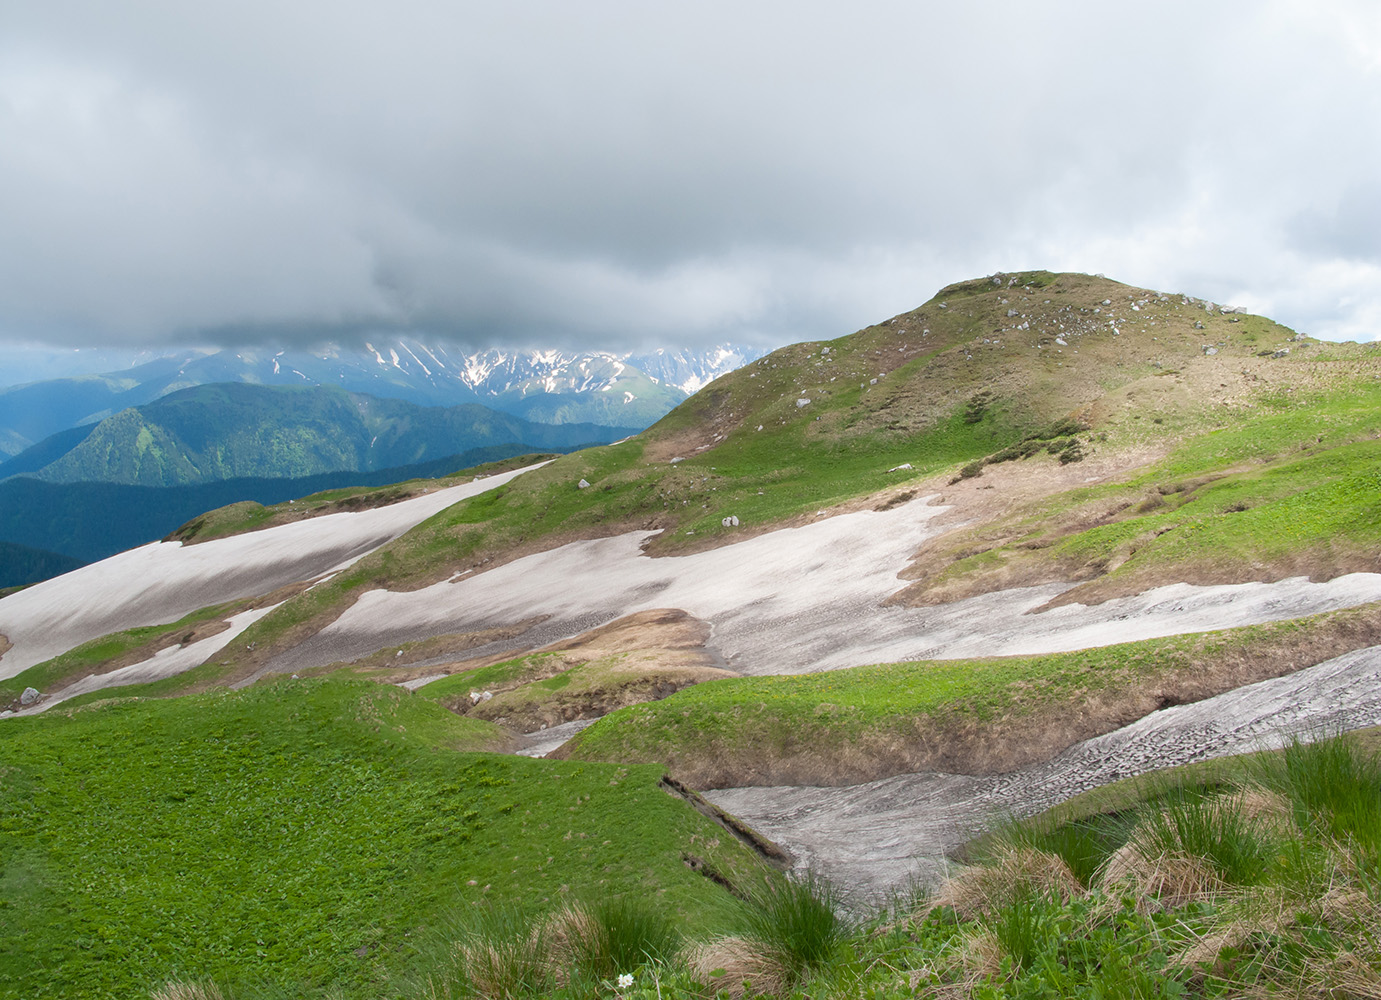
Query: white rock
[[803, 401], [678, 458], [730, 522], [824, 350], [899, 468], [582, 485], [29, 696], [1061, 341]]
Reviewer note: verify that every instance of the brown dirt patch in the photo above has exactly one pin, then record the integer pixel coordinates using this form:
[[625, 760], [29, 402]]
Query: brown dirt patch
[[955, 742], [5, 645], [642, 657]]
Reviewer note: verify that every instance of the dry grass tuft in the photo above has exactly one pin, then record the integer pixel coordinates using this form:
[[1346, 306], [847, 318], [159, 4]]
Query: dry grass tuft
[[744, 967], [175, 990], [1166, 879], [1015, 873], [570, 935], [1262, 808]]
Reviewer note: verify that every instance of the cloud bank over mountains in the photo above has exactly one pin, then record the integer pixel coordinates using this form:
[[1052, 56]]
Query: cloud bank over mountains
[[618, 174]]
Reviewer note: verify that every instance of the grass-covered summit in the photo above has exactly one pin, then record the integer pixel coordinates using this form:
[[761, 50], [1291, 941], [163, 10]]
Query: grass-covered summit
[[1044, 379]]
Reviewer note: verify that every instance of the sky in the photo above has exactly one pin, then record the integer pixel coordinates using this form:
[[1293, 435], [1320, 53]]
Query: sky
[[623, 174]]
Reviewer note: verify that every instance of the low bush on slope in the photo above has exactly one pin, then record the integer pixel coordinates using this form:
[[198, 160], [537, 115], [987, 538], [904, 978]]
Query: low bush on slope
[[306, 833]]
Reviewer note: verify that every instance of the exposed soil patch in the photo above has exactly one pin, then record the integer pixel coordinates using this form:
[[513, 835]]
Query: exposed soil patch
[[642, 657], [398, 669], [1002, 490], [956, 742], [5, 645]]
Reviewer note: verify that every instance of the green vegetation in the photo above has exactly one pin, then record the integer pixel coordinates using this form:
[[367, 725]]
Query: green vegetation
[[1292, 484], [304, 833], [1203, 884]]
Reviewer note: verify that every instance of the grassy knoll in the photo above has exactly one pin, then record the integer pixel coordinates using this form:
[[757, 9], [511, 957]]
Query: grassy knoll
[[966, 376], [968, 716], [306, 834]]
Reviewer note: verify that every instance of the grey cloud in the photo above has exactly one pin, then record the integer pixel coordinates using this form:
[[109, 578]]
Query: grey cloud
[[618, 172]]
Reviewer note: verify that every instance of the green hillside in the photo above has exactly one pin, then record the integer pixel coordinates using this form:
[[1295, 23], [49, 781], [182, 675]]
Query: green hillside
[[307, 834], [1164, 392], [234, 430]]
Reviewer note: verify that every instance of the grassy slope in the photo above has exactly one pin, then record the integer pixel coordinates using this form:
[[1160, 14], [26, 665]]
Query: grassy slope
[[299, 832], [969, 716], [238, 518], [1289, 487]]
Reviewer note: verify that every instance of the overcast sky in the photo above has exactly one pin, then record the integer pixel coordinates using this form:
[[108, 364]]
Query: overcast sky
[[623, 173]]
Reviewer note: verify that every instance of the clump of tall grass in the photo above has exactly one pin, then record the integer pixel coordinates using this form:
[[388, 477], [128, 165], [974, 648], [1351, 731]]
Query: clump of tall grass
[[494, 952], [182, 990], [1009, 875], [601, 939], [792, 928], [1333, 784], [1191, 847]]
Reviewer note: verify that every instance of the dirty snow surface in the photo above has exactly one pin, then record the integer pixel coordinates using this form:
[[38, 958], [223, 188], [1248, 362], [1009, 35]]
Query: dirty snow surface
[[804, 599], [872, 838], [162, 581]]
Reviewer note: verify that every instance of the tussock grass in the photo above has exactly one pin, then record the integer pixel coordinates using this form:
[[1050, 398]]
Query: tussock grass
[[178, 990], [1013, 874]]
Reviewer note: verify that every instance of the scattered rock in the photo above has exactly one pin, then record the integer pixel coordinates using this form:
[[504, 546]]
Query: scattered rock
[[1209, 350], [1198, 324], [678, 458], [582, 485], [730, 522], [30, 696], [872, 381], [824, 350], [1281, 353], [899, 468], [1011, 313], [1107, 302], [803, 401]]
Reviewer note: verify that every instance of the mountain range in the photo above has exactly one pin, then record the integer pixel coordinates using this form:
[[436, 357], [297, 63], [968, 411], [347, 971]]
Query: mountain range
[[831, 614], [547, 386]]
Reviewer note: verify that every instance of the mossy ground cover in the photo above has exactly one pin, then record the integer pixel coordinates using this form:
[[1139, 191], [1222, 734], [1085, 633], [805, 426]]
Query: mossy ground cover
[[304, 834], [868, 722]]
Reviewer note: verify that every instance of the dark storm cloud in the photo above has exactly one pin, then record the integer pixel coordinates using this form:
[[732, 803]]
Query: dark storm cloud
[[618, 172]]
